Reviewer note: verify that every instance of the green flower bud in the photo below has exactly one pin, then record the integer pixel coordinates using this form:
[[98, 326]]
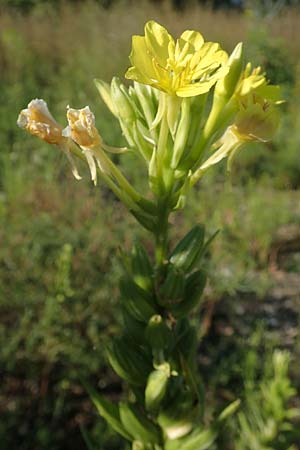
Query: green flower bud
[[157, 333], [145, 98], [225, 87], [157, 386], [173, 104], [123, 104], [181, 133], [104, 90]]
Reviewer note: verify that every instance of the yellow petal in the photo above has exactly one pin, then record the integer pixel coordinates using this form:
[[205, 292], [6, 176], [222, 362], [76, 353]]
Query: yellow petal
[[37, 120], [134, 74], [157, 41], [141, 58], [194, 38], [183, 51], [190, 90]]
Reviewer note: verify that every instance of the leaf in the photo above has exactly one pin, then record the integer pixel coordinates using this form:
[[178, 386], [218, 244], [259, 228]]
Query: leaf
[[108, 410]]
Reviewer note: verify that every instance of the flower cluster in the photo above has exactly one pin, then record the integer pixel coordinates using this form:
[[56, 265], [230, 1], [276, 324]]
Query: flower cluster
[[165, 116], [186, 68]]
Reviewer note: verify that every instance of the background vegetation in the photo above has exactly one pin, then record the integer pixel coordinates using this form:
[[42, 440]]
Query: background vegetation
[[60, 237]]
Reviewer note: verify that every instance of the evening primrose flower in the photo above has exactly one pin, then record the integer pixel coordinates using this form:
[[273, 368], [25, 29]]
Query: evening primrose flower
[[256, 121], [38, 121], [82, 130], [186, 68], [82, 127], [251, 79], [255, 81]]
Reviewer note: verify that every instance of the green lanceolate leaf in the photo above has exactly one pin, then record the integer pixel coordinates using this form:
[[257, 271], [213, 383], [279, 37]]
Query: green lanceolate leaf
[[197, 440], [134, 329], [108, 410], [193, 290], [157, 386], [138, 425], [173, 286], [229, 411], [138, 445], [177, 419], [129, 363], [202, 439], [138, 302], [187, 339], [141, 268], [185, 254], [147, 221], [87, 440]]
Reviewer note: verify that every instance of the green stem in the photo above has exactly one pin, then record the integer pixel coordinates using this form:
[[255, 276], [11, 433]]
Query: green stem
[[161, 236], [121, 188]]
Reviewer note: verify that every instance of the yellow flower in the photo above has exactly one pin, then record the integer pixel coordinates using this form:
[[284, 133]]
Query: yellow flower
[[251, 79], [257, 119], [83, 132], [38, 121], [82, 127], [254, 81], [186, 68]]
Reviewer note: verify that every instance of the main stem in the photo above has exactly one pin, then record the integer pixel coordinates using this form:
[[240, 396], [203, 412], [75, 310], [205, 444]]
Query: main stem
[[161, 235]]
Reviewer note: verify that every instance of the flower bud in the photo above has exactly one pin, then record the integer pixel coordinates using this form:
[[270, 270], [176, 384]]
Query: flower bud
[[123, 104], [182, 133], [157, 333], [38, 121], [157, 386], [82, 127], [145, 97], [104, 90], [226, 86]]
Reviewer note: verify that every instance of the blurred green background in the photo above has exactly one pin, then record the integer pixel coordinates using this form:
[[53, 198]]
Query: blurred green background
[[60, 237]]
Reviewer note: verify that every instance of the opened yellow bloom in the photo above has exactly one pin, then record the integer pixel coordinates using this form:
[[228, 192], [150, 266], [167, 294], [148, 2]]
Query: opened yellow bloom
[[82, 127], [37, 120], [186, 68], [257, 119], [254, 81]]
